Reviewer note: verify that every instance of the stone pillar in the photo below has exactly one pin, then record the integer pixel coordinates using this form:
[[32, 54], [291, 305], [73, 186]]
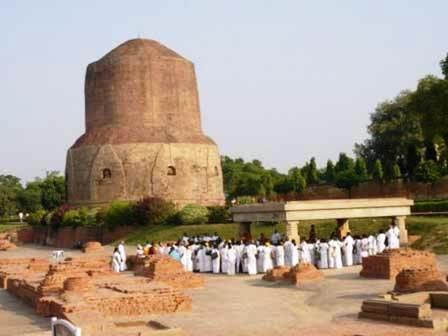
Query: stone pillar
[[400, 221], [343, 227], [245, 230], [291, 230]]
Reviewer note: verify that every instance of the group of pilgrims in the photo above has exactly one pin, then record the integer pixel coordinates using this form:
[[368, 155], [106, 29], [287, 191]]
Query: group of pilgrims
[[212, 254]]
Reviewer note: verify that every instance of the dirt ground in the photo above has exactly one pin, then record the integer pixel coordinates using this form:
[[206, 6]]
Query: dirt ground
[[243, 305]]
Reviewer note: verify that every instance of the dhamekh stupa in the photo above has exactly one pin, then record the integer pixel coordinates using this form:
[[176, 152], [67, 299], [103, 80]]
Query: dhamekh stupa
[[143, 132]]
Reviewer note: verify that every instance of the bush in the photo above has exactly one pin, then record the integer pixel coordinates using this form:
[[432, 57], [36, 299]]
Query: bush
[[193, 214], [119, 213], [218, 214], [78, 217], [427, 172], [245, 200], [430, 206], [153, 211], [57, 216], [36, 218]]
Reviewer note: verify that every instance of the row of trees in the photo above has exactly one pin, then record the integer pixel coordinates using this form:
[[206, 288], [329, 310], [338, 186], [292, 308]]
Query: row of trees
[[41, 194], [252, 179], [411, 131]]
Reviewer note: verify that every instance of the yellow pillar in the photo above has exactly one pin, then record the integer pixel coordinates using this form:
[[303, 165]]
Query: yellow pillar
[[292, 230], [400, 221]]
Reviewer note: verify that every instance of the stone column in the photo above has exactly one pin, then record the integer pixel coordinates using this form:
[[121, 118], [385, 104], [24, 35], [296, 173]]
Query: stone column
[[400, 221], [291, 230], [343, 227], [245, 230]]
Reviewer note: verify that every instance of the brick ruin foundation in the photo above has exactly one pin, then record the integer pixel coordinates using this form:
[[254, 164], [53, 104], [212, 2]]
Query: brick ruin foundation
[[297, 275], [165, 269], [391, 262], [6, 244], [420, 280], [85, 291], [92, 246], [418, 291]]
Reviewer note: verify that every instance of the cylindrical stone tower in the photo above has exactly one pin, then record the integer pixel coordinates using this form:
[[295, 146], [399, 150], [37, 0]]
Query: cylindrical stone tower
[[143, 132]]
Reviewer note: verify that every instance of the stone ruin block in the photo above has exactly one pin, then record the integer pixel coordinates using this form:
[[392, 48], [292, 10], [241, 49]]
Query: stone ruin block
[[391, 262], [297, 275], [278, 273], [92, 247], [6, 244], [167, 270], [420, 280], [303, 273]]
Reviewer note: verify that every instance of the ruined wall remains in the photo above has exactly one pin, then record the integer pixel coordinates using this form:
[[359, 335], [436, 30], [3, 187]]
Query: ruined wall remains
[[143, 132], [164, 269], [420, 280], [391, 262], [298, 275]]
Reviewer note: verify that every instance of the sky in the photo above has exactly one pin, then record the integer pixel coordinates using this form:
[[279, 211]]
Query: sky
[[279, 81]]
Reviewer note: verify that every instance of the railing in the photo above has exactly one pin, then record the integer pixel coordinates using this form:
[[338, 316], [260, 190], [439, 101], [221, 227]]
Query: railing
[[60, 327]]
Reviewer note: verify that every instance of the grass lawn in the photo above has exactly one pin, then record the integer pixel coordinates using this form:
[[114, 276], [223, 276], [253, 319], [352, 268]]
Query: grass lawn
[[5, 226], [433, 230]]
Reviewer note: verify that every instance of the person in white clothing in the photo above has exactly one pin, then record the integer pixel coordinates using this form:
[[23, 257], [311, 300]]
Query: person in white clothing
[[266, 257], [305, 256], [231, 260], [372, 245], [216, 259], [189, 258], [122, 252], [323, 250], [348, 243], [392, 235], [260, 249], [381, 241], [364, 247], [116, 261], [279, 255], [275, 238], [183, 255], [294, 253], [140, 253], [249, 254], [358, 247], [223, 255], [288, 247]]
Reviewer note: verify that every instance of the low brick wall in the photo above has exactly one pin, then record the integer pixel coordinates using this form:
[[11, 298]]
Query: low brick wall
[[68, 237]]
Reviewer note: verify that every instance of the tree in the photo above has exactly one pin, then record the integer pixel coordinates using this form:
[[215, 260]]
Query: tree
[[9, 188], [344, 163], [444, 66], [413, 158], [396, 171], [311, 172], [347, 179], [52, 190], [329, 172], [427, 172], [29, 199], [298, 181], [361, 169], [377, 172]]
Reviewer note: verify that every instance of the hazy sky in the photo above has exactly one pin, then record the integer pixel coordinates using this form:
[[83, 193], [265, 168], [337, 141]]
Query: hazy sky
[[279, 81]]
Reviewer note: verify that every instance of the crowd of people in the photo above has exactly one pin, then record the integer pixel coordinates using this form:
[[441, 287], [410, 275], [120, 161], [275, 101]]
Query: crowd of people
[[212, 254]]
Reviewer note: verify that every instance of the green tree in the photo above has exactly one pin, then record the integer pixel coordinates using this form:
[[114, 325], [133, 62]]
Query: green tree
[[330, 172], [361, 169], [9, 188], [312, 176], [444, 66], [427, 172], [377, 173], [413, 159], [396, 172], [344, 163], [52, 190], [347, 179], [30, 198], [298, 181]]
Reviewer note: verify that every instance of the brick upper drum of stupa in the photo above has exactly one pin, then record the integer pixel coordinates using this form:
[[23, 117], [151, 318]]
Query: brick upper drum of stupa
[[388, 264], [143, 132], [298, 275]]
